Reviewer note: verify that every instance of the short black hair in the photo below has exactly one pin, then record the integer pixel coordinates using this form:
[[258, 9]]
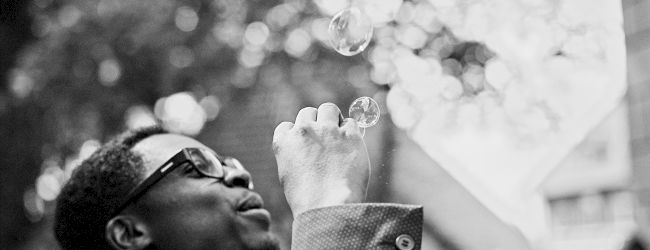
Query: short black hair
[[96, 187]]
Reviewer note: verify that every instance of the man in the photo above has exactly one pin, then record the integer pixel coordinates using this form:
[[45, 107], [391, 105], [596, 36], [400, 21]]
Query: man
[[149, 189], [192, 207]]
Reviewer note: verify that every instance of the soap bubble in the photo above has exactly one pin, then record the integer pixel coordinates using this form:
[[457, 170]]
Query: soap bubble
[[365, 111], [350, 31]]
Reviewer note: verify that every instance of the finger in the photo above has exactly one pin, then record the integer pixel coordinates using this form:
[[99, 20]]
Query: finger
[[306, 115], [328, 113], [281, 129], [350, 126], [279, 132]]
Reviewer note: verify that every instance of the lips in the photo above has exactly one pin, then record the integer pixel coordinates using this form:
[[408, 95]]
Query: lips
[[250, 209], [252, 201]]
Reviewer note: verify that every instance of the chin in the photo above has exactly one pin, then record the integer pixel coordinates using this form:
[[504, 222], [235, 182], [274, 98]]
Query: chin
[[267, 243]]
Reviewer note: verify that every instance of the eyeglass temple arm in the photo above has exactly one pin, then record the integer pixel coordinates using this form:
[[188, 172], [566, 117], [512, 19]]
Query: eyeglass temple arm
[[177, 160]]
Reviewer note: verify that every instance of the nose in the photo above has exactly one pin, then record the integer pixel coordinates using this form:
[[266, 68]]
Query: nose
[[237, 177]]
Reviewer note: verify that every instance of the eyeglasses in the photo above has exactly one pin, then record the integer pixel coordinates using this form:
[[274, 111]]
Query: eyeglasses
[[205, 162]]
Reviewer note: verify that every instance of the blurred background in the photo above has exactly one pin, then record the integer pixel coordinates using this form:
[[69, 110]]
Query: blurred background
[[76, 72]]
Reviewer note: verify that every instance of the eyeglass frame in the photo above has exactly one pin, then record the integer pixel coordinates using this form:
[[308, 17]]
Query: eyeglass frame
[[179, 159]]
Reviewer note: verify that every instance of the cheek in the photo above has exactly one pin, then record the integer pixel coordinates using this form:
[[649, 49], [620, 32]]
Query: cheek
[[194, 214], [195, 229]]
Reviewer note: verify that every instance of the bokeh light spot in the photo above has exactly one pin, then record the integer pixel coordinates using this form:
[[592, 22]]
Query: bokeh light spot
[[186, 19], [211, 106], [88, 148], [139, 116], [109, 71], [181, 56], [181, 113], [251, 57], [298, 42], [452, 89], [34, 205], [256, 33], [21, 84], [48, 187], [69, 16], [497, 73], [329, 7]]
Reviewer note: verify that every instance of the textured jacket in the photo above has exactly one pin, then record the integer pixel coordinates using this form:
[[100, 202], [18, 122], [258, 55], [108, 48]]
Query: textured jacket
[[359, 226]]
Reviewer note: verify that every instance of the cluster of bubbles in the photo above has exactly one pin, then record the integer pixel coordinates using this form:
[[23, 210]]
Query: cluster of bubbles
[[351, 30], [508, 82], [424, 52]]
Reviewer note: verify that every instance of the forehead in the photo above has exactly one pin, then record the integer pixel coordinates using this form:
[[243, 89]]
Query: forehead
[[157, 149]]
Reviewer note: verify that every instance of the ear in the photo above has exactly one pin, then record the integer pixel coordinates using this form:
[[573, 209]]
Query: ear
[[127, 232]]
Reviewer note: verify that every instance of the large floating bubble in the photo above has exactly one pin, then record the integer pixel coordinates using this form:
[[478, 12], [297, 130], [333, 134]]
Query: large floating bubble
[[350, 31], [365, 111]]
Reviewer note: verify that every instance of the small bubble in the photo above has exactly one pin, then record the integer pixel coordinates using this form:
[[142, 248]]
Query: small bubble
[[365, 111], [350, 31]]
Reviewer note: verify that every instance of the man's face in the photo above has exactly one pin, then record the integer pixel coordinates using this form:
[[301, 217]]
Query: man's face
[[186, 210]]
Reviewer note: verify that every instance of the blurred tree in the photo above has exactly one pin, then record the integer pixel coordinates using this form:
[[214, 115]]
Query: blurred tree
[[253, 62], [14, 32], [16, 127]]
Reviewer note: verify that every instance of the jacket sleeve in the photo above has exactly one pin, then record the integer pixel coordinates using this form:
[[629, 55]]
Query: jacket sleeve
[[359, 226]]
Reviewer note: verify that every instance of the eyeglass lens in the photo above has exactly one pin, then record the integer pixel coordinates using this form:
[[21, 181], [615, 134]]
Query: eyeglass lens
[[206, 162]]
